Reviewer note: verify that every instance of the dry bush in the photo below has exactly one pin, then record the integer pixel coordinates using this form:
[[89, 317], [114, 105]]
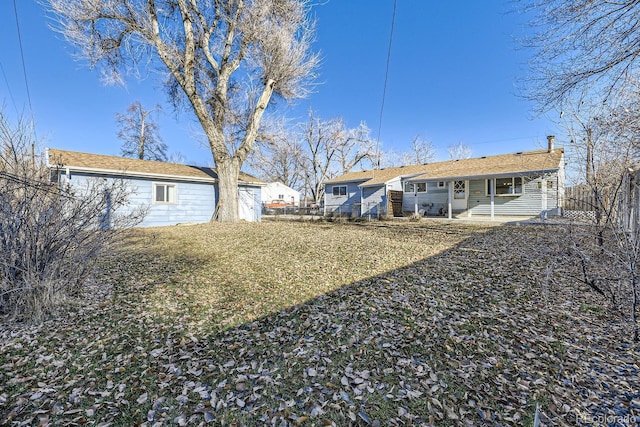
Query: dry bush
[[50, 235]]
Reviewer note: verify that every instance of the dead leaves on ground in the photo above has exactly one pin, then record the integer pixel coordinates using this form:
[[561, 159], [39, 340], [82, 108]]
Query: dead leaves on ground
[[441, 328]]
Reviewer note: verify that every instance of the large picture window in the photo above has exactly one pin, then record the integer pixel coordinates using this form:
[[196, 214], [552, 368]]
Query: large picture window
[[164, 193], [340, 190], [512, 186]]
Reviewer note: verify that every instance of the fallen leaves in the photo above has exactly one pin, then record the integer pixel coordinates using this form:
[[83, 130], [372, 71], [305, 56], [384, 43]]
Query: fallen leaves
[[316, 324]]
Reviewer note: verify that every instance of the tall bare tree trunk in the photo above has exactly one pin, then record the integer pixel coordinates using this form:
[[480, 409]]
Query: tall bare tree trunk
[[228, 170]]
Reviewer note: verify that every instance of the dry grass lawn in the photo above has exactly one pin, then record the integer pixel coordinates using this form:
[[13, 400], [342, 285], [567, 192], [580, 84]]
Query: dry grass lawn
[[317, 324]]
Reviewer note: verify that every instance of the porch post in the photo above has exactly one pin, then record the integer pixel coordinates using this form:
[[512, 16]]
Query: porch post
[[415, 198], [544, 201], [450, 197], [492, 191]]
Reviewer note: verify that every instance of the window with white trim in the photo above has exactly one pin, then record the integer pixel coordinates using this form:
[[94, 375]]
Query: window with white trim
[[442, 184], [164, 193], [459, 190], [410, 187], [512, 186], [339, 190]]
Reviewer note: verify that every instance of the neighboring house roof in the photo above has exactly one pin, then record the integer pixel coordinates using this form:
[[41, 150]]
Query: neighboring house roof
[[488, 166], [112, 165]]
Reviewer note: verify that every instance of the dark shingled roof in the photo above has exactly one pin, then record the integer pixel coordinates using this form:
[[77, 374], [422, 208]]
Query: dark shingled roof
[[505, 164], [113, 165]]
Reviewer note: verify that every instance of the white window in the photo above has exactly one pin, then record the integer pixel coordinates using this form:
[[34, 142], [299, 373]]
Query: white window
[[339, 190], [164, 193], [442, 184], [420, 187], [513, 186]]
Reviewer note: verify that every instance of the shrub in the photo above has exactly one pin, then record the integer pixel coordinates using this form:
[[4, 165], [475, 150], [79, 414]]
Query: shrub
[[50, 235]]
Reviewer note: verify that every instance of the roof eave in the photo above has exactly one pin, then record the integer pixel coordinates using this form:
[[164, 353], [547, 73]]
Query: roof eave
[[480, 176], [134, 173]]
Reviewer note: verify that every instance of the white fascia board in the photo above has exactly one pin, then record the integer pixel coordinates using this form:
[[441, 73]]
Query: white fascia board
[[481, 176], [252, 183], [349, 181], [379, 184], [138, 174]]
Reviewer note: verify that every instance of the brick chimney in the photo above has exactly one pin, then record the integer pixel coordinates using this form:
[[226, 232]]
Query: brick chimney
[[550, 140]]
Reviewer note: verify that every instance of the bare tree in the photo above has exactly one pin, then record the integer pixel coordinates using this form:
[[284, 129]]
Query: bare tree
[[140, 134], [459, 151], [177, 157], [353, 146], [278, 157], [50, 236], [582, 44], [331, 149], [422, 151], [227, 59], [600, 249]]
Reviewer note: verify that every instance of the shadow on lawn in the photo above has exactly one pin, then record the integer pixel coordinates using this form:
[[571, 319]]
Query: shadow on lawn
[[461, 337]]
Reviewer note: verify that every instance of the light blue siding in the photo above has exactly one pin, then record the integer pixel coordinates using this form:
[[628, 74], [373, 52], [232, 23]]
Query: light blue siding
[[433, 202], [343, 204], [374, 201], [195, 201], [529, 203], [371, 200]]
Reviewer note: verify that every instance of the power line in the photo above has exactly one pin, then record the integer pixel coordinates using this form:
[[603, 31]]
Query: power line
[[24, 68], [6, 82], [386, 78]]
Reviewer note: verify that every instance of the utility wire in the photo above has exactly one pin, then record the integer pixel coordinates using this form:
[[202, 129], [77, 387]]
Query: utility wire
[[24, 69], [6, 82], [386, 78]]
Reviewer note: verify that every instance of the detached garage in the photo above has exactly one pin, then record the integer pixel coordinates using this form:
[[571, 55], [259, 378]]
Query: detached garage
[[172, 193]]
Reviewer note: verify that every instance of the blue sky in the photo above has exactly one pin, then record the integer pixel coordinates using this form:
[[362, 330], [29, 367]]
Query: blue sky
[[452, 78]]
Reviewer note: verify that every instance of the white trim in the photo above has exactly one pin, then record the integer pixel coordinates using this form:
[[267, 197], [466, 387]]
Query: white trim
[[166, 185], [151, 175], [346, 190], [415, 187], [449, 200], [513, 183], [141, 174]]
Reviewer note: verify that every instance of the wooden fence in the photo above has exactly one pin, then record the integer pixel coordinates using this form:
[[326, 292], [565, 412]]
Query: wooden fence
[[620, 203]]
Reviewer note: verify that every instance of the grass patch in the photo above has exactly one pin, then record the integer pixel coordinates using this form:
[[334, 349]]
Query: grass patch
[[428, 323]]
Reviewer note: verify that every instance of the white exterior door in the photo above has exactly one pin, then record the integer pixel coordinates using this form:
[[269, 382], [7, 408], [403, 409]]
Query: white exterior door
[[246, 204], [460, 195]]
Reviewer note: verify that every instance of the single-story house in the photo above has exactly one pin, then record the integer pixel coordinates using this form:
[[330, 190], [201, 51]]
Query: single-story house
[[277, 191], [173, 193], [524, 183]]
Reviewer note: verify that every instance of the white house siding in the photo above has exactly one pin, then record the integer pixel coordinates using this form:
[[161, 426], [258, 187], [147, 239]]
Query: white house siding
[[273, 190], [529, 203], [343, 204], [395, 184], [433, 202]]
